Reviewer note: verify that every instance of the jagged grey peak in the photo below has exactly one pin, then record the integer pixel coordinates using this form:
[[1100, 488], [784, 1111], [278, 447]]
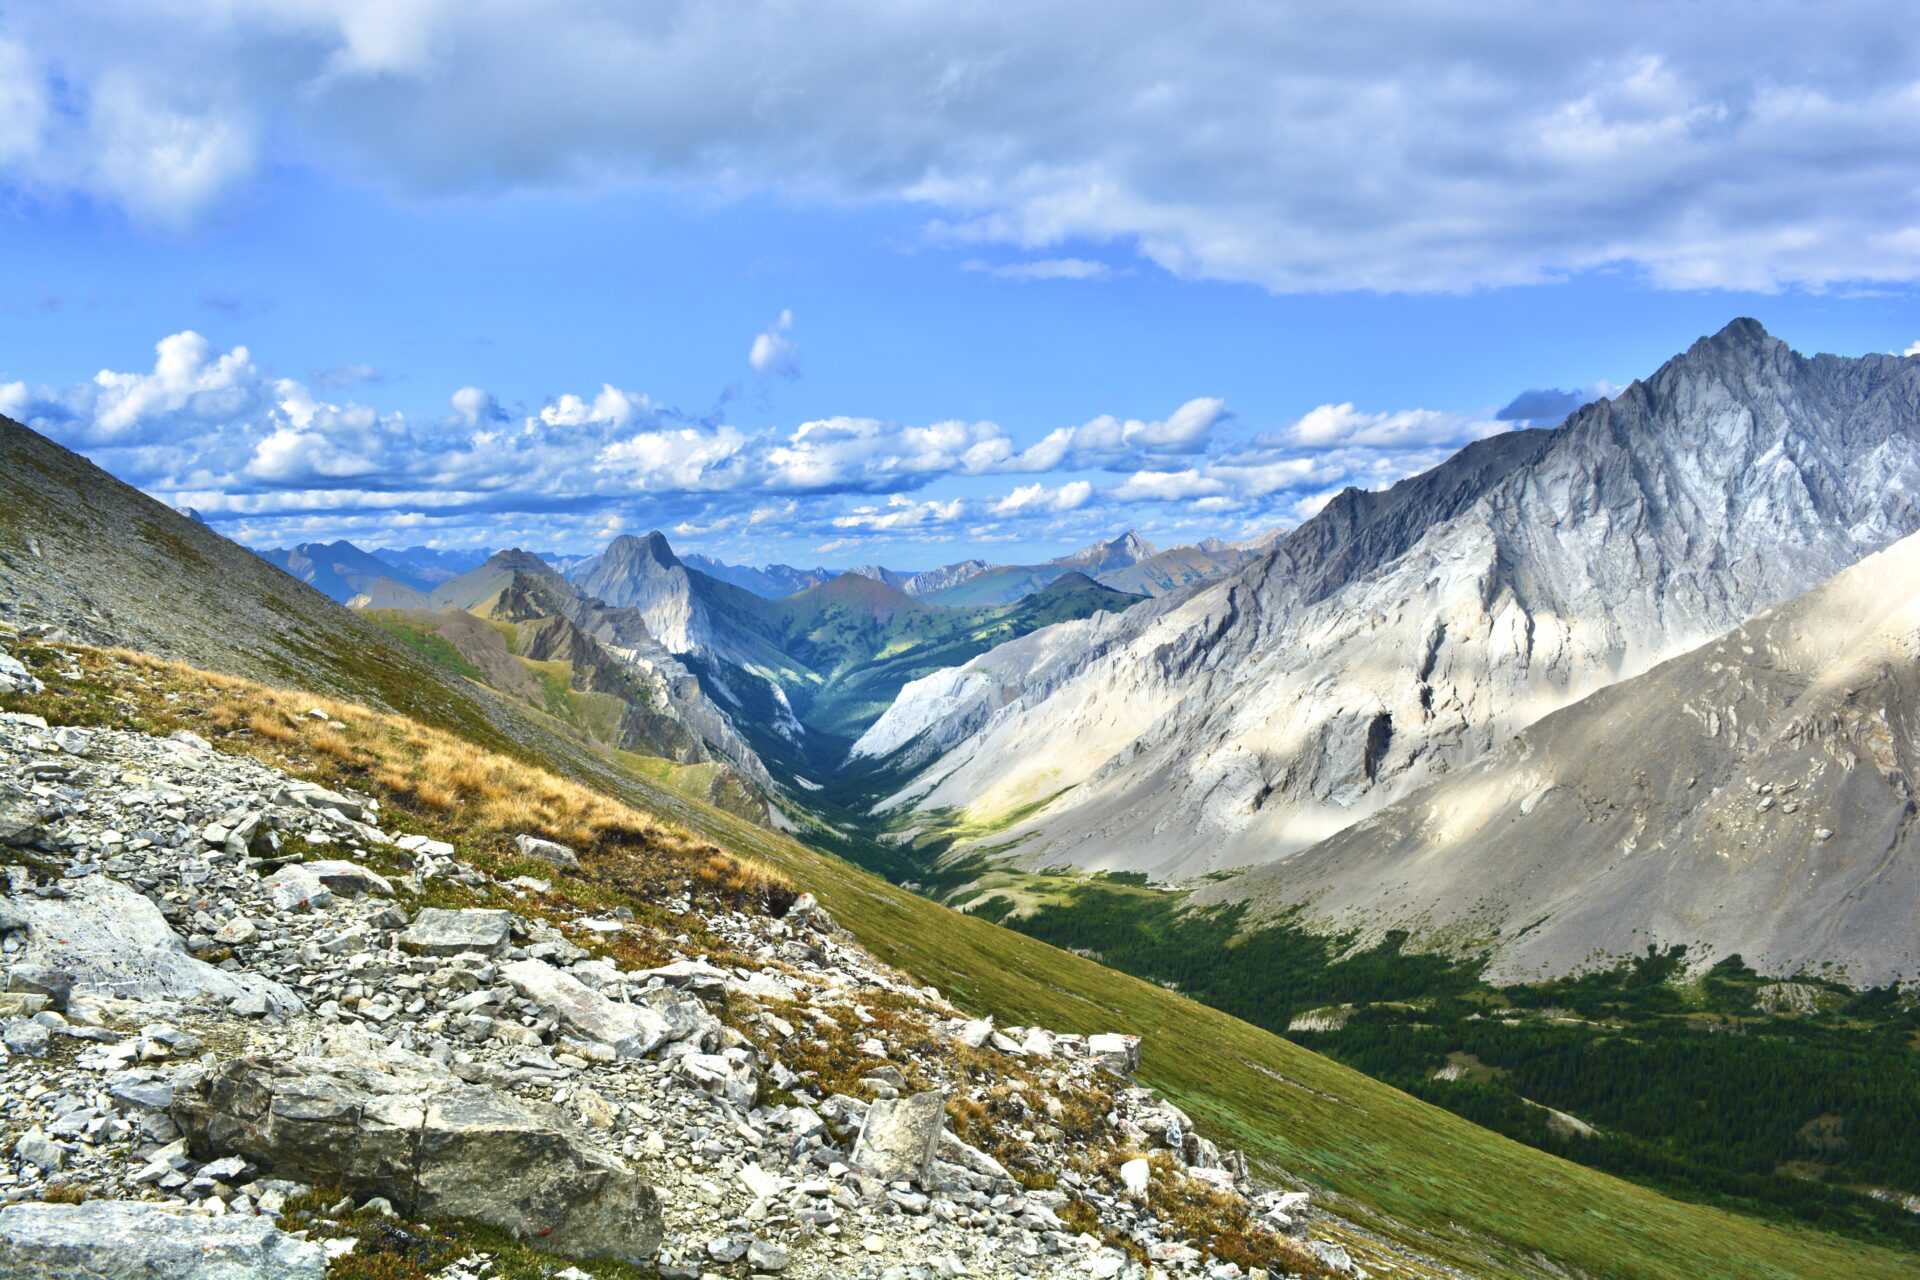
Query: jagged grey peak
[[644, 574], [1117, 553], [1753, 796], [1400, 635]]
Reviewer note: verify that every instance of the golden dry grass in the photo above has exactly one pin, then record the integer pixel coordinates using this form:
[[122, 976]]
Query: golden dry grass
[[426, 779]]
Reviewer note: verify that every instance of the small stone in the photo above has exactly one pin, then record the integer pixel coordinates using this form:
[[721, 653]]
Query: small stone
[[37, 1149], [548, 851], [765, 1256]]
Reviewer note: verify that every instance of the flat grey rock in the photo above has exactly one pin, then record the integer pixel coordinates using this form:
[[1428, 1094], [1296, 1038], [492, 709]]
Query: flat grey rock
[[129, 1240], [439, 931], [110, 940]]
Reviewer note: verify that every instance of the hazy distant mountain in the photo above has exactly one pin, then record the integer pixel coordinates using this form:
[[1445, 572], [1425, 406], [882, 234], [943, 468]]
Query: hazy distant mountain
[[1004, 584], [1177, 567], [340, 569], [925, 582], [1398, 636], [430, 566], [772, 581]]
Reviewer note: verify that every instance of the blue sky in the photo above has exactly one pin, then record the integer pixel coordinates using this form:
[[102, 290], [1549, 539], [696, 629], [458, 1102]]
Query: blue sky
[[902, 283]]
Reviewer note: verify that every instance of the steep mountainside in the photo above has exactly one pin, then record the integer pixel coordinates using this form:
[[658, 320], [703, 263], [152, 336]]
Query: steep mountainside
[[102, 562], [1753, 797], [632, 692], [1398, 636], [685, 610], [340, 570]]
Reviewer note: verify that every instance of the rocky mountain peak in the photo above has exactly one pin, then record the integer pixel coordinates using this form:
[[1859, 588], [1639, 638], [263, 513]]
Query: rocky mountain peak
[[515, 560], [653, 547], [1115, 553]]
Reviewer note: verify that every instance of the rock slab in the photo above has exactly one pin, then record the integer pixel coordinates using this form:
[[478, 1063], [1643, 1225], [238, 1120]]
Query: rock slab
[[396, 1125], [901, 1137], [131, 1240], [439, 931], [110, 940]]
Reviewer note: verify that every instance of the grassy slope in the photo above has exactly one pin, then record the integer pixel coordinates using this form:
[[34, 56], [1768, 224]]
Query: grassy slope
[[1384, 1152]]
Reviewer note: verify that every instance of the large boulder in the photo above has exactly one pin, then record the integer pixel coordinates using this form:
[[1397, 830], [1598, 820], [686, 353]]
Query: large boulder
[[630, 1030], [133, 1240], [438, 931], [900, 1138], [109, 940], [394, 1124]]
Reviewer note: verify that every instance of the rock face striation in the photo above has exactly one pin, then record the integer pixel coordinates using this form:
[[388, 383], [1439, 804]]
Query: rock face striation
[[1399, 636], [1754, 797]]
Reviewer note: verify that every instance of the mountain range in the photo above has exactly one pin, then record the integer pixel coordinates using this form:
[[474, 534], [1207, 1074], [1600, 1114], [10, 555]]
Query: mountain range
[[85, 560], [1400, 636], [1475, 762]]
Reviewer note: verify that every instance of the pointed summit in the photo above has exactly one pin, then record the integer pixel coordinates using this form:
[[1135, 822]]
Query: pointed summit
[[1116, 553], [654, 546]]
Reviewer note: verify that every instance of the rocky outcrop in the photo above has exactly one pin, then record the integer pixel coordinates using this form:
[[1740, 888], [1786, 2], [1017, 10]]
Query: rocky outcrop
[[108, 1240], [1398, 636], [395, 1125]]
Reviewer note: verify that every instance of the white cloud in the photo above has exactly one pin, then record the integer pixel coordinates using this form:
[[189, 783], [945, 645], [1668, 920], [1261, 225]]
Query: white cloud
[[206, 428], [1342, 424], [1043, 269], [901, 513], [1710, 145], [1913, 350], [1166, 486], [186, 376], [1036, 498], [476, 406], [612, 406], [1104, 439], [774, 353]]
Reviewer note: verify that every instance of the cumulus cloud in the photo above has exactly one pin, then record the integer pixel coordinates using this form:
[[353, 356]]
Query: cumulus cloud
[[475, 405], [187, 375], [901, 512], [774, 353], [1913, 350], [612, 406], [1103, 439], [1712, 145], [1036, 498], [1343, 424]]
